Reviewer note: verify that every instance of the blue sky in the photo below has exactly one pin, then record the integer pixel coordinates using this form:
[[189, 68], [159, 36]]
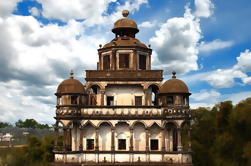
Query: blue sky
[[206, 41]]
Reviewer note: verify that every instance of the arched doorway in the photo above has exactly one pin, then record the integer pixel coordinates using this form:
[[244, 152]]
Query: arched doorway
[[171, 137], [105, 136], [139, 137]]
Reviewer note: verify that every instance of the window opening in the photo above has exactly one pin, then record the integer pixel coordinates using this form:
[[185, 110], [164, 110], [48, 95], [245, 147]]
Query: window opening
[[106, 62], [154, 144], [142, 62], [123, 60], [74, 99], [138, 100], [169, 100], [90, 144], [110, 100], [122, 144]]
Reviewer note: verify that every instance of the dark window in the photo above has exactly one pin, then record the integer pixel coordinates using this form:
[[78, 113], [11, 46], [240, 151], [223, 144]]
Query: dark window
[[90, 144], [110, 100], [169, 100], [123, 60], [142, 62], [106, 62], [122, 144], [154, 144], [138, 100], [175, 141], [74, 99]]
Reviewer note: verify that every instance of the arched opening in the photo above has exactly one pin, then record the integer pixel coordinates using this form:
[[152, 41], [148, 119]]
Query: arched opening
[[122, 135], [155, 137], [154, 91], [88, 137], [94, 96], [139, 137], [171, 137], [105, 136]]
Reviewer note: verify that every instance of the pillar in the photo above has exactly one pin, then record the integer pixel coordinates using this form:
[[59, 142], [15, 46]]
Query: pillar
[[189, 139], [147, 140], [65, 138], [113, 139], [163, 133], [102, 97], [179, 139], [81, 139], [131, 140], [96, 139]]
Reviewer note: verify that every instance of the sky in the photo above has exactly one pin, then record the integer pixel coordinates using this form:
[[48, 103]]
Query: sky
[[207, 42]]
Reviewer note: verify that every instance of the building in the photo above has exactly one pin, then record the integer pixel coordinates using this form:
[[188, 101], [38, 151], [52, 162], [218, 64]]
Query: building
[[124, 114]]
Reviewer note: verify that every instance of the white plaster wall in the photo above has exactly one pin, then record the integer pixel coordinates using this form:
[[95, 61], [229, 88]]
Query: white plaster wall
[[105, 137], [155, 157], [124, 94], [105, 157], [88, 133], [122, 132], [122, 157], [139, 137], [141, 157]]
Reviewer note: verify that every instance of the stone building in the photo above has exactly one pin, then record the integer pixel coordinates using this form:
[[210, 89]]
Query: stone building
[[124, 114]]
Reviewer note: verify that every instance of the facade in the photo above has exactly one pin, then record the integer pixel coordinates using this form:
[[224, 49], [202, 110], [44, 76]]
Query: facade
[[124, 114]]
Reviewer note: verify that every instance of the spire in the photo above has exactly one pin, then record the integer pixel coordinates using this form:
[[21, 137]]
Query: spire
[[71, 74], [174, 74]]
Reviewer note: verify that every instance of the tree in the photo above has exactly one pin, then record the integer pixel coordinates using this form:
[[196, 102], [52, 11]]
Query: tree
[[4, 124]]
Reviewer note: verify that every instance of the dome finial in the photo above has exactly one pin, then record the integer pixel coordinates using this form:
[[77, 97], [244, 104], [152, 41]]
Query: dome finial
[[174, 74], [71, 73], [125, 13]]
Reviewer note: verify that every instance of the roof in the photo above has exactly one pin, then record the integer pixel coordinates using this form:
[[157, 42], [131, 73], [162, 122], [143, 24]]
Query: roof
[[70, 85], [174, 85], [125, 41], [125, 23]]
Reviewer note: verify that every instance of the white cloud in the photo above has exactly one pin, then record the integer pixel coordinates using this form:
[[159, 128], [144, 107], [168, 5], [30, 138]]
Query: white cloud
[[7, 6], [176, 43], [34, 11], [225, 78], [147, 24], [237, 97], [244, 61], [214, 45], [204, 8]]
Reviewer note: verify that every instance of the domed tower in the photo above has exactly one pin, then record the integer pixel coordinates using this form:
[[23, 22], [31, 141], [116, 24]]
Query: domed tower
[[174, 92], [71, 96], [123, 115]]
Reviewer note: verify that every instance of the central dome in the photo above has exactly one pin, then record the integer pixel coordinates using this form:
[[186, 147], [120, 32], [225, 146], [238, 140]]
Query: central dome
[[125, 24]]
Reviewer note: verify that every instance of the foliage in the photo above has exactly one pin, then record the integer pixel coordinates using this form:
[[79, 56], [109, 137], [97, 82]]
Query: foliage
[[31, 123], [37, 153], [221, 136], [4, 124]]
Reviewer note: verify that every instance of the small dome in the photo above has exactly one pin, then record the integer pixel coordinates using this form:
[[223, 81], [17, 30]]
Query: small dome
[[125, 23], [174, 85], [70, 85]]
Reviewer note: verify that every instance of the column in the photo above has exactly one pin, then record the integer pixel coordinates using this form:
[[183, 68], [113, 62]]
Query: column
[[113, 139], [81, 139], [163, 134], [147, 140], [146, 97], [96, 139], [102, 97], [69, 139], [179, 139], [131, 139]]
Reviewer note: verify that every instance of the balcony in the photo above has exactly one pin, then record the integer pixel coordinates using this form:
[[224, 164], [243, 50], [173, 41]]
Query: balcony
[[124, 75]]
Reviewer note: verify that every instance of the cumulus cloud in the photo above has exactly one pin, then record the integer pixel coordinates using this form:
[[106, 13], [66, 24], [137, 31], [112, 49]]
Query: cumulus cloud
[[176, 43], [34, 11], [214, 45], [225, 78], [204, 8], [6, 7], [146, 24]]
